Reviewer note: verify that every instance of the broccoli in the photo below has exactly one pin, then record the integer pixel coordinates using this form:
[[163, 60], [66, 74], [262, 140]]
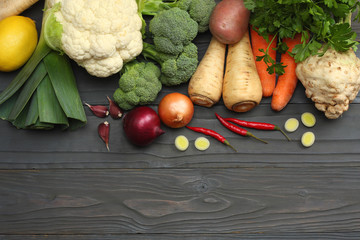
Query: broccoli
[[139, 84], [172, 29], [199, 10], [175, 69]]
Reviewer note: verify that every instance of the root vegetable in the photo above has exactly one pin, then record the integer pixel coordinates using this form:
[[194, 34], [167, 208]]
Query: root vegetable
[[98, 110], [287, 82], [114, 110], [104, 131], [229, 21], [14, 7], [205, 86], [242, 89], [331, 81]]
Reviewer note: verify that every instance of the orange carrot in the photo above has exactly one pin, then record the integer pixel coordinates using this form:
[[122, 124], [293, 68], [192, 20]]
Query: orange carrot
[[267, 80], [287, 82]]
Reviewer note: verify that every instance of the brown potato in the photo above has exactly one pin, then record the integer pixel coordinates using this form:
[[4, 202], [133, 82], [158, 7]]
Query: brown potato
[[229, 21]]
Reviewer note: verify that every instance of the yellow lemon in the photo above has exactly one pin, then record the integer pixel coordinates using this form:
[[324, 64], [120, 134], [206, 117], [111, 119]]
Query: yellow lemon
[[18, 40]]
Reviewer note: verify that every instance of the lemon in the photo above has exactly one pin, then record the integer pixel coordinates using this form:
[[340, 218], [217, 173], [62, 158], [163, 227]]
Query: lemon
[[18, 40]]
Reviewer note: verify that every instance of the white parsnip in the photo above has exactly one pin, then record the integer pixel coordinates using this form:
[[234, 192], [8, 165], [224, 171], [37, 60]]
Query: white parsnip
[[205, 86], [242, 89], [14, 7]]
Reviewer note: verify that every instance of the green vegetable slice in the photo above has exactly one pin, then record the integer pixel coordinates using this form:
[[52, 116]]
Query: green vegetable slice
[[33, 114]]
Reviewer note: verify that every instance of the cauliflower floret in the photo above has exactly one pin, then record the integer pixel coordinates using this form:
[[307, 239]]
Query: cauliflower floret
[[331, 81], [99, 35]]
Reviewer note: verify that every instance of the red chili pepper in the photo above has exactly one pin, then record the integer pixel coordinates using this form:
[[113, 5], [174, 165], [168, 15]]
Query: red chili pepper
[[257, 125], [211, 133], [236, 129]]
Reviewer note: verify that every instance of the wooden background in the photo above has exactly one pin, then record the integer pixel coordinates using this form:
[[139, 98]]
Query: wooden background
[[65, 185]]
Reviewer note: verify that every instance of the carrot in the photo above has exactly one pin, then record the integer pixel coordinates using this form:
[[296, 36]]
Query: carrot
[[14, 7], [205, 85], [286, 82], [242, 89], [258, 42]]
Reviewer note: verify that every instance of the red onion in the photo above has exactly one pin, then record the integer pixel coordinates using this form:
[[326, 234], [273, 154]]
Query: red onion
[[142, 125]]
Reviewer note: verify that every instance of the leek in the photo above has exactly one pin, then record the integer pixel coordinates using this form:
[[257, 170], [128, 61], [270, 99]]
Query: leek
[[44, 93]]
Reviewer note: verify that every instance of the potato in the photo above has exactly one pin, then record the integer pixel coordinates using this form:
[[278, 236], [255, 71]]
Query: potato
[[229, 21]]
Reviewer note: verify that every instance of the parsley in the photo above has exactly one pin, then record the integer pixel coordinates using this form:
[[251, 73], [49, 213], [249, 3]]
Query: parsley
[[323, 24]]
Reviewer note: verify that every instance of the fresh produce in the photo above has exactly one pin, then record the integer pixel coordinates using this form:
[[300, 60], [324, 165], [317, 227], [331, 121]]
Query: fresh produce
[[260, 46], [14, 7], [332, 81], [98, 110], [327, 43], [172, 30], [242, 89], [181, 143], [229, 21], [139, 84], [18, 40], [287, 82], [308, 119], [115, 111], [213, 134], [202, 143], [142, 125], [104, 131], [236, 129], [257, 125], [308, 139], [199, 10], [291, 125], [99, 35], [205, 85], [176, 110], [175, 69]]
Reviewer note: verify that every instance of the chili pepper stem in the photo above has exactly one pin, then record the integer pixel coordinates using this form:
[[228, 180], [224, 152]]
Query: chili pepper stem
[[226, 142], [279, 129], [253, 136]]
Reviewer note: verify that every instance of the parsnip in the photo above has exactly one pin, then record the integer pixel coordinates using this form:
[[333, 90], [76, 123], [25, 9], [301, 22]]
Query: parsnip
[[14, 7], [205, 86], [242, 89]]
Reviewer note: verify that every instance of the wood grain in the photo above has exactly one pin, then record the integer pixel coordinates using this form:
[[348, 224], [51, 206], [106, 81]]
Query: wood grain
[[248, 201]]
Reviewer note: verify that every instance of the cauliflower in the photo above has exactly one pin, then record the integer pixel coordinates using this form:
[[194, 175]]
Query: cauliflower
[[99, 35], [332, 81]]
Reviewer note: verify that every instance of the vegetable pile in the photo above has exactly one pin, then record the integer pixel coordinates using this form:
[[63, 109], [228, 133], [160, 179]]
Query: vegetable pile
[[324, 57]]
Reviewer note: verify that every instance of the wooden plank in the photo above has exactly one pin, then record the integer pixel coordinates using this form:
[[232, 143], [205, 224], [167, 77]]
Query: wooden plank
[[180, 201], [239, 236]]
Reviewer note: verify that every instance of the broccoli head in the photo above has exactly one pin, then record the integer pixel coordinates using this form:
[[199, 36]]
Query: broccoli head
[[139, 84], [172, 29], [175, 69], [199, 10]]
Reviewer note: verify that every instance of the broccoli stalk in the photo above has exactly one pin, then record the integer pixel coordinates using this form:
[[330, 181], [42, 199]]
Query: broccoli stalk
[[139, 84], [199, 10], [175, 69]]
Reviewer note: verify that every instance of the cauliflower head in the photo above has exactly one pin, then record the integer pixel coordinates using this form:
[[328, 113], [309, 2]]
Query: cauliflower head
[[332, 81], [100, 36]]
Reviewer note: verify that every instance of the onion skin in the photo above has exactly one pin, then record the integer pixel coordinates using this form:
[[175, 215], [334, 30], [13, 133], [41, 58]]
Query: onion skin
[[142, 126], [176, 110]]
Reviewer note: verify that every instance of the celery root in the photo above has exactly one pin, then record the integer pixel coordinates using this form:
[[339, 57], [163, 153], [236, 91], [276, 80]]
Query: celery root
[[242, 89], [14, 7], [205, 86]]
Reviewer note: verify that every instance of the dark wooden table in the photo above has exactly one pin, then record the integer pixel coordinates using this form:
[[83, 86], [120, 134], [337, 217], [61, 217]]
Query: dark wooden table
[[65, 185]]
